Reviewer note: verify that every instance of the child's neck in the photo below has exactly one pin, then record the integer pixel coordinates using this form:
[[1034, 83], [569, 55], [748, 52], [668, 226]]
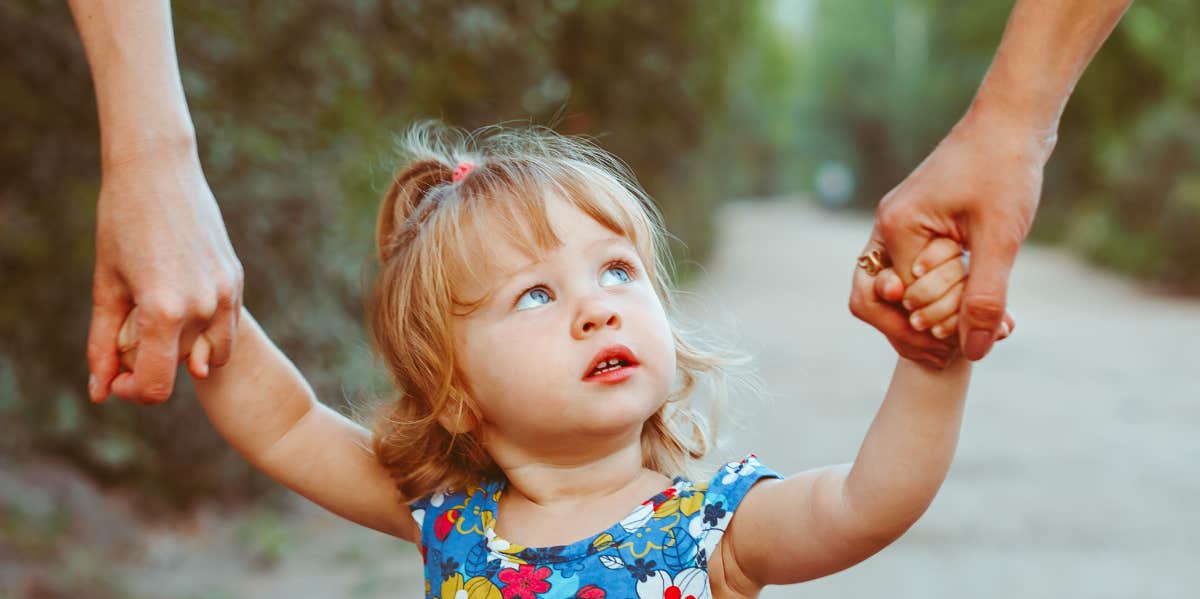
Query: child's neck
[[560, 482], [560, 501]]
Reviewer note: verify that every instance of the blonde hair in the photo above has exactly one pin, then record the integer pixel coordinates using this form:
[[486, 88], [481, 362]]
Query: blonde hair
[[432, 230]]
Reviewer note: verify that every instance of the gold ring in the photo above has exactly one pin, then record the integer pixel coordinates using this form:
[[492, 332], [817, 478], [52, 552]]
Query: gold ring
[[872, 262]]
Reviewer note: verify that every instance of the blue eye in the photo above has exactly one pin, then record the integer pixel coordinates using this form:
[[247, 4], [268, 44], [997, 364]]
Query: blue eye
[[538, 296], [617, 274]]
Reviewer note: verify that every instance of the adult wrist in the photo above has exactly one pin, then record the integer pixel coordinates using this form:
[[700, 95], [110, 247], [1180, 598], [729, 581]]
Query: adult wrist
[[176, 141], [1007, 118], [1027, 102]]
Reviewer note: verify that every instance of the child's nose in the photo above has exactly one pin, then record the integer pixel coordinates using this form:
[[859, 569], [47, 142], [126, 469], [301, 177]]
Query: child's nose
[[594, 315]]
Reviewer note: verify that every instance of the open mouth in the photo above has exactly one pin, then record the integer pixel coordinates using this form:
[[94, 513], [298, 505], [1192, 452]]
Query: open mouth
[[611, 359], [609, 366]]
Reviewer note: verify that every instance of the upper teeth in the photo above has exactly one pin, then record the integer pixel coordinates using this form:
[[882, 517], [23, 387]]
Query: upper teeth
[[607, 365]]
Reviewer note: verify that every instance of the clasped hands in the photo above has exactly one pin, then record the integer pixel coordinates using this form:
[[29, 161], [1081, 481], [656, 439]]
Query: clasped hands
[[979, 189]]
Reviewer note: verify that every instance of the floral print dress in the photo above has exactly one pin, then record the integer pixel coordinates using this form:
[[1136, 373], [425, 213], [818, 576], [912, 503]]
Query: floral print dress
[[659, 550]]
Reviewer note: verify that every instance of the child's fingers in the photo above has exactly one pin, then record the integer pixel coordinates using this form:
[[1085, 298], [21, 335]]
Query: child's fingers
[[945, 328], [949, 327], [935, 253], [935, 284], [198, 359], [127, 342], [945, 307], [888, 286]]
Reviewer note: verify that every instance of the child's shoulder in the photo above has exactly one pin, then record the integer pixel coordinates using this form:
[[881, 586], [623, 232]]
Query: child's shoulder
[[732, 481], [469, 510]]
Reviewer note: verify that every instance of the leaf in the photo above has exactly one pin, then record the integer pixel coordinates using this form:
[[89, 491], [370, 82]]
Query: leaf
[[680, 553], [476, 563], [612, 562], [602, 542], [691, 504], [638, 518]]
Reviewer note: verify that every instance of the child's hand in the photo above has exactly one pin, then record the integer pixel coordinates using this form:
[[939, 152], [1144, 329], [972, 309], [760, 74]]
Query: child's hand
[[933, 300], [931, 303], [197, 357]]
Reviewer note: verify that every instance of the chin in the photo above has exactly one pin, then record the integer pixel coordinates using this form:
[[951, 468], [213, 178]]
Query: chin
[[619, 414]]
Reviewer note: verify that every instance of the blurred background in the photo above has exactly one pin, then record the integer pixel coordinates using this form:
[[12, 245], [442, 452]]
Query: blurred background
[[806, 112]]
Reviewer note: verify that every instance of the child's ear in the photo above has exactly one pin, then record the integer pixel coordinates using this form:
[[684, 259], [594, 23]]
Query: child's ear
[[458, 420]]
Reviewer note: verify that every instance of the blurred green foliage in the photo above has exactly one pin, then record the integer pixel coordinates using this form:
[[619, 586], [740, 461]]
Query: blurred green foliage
[[264, 538], [880, 83], [295, 104]]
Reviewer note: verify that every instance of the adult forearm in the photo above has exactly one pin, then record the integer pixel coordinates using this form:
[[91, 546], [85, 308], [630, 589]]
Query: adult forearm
[[130, 47], [1046, 46], [908, 449]]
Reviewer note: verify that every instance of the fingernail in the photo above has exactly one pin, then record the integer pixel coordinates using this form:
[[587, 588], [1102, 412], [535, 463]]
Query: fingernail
[[918, 323], [91, 387], [939, 332], [907, 304], [1004, 330], [918, 270], [979, 342]]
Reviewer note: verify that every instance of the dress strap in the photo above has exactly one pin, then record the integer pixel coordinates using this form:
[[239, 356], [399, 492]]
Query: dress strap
[[442, 514], [725, 492]]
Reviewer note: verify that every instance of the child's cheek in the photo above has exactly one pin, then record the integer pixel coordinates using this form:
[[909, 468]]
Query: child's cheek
[[662, 341]]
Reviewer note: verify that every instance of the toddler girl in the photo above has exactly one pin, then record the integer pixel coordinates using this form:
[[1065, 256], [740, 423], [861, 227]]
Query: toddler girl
[[540, 438]]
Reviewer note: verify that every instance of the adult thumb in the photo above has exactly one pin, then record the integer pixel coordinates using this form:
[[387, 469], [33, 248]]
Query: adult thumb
[[983, 303]]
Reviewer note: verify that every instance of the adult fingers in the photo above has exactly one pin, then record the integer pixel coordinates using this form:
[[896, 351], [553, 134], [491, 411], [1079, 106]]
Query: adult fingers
[[896, 224], [198, 364], [993, 252], [908, 342], [103, 365], [893, 323], [158, 328]]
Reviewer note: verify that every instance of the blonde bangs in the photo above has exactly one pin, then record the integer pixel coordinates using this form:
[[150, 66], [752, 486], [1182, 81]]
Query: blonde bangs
[[505, 202]]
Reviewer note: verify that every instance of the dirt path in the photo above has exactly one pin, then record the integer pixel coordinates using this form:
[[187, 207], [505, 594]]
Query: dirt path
[[1076, 475]]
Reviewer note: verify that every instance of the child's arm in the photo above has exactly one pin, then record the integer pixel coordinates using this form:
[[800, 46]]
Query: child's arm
[[265, 409], [825, 520]]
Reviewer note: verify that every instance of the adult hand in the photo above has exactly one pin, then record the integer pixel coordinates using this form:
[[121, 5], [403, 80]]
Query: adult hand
[[162, 247], [979, 187], [878, 299]]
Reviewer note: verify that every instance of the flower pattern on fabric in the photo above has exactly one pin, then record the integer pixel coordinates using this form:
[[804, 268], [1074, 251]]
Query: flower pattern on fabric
[[525, 582], [660, 550]]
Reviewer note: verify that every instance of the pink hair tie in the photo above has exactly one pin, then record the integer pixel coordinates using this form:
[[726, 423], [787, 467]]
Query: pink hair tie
[[463, 169]]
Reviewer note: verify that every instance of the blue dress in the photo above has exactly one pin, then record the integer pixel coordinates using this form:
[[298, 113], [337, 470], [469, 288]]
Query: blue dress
[[659, 550]]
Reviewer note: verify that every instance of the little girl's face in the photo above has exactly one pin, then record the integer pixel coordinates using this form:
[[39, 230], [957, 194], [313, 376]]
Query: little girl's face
[[528, 354]]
